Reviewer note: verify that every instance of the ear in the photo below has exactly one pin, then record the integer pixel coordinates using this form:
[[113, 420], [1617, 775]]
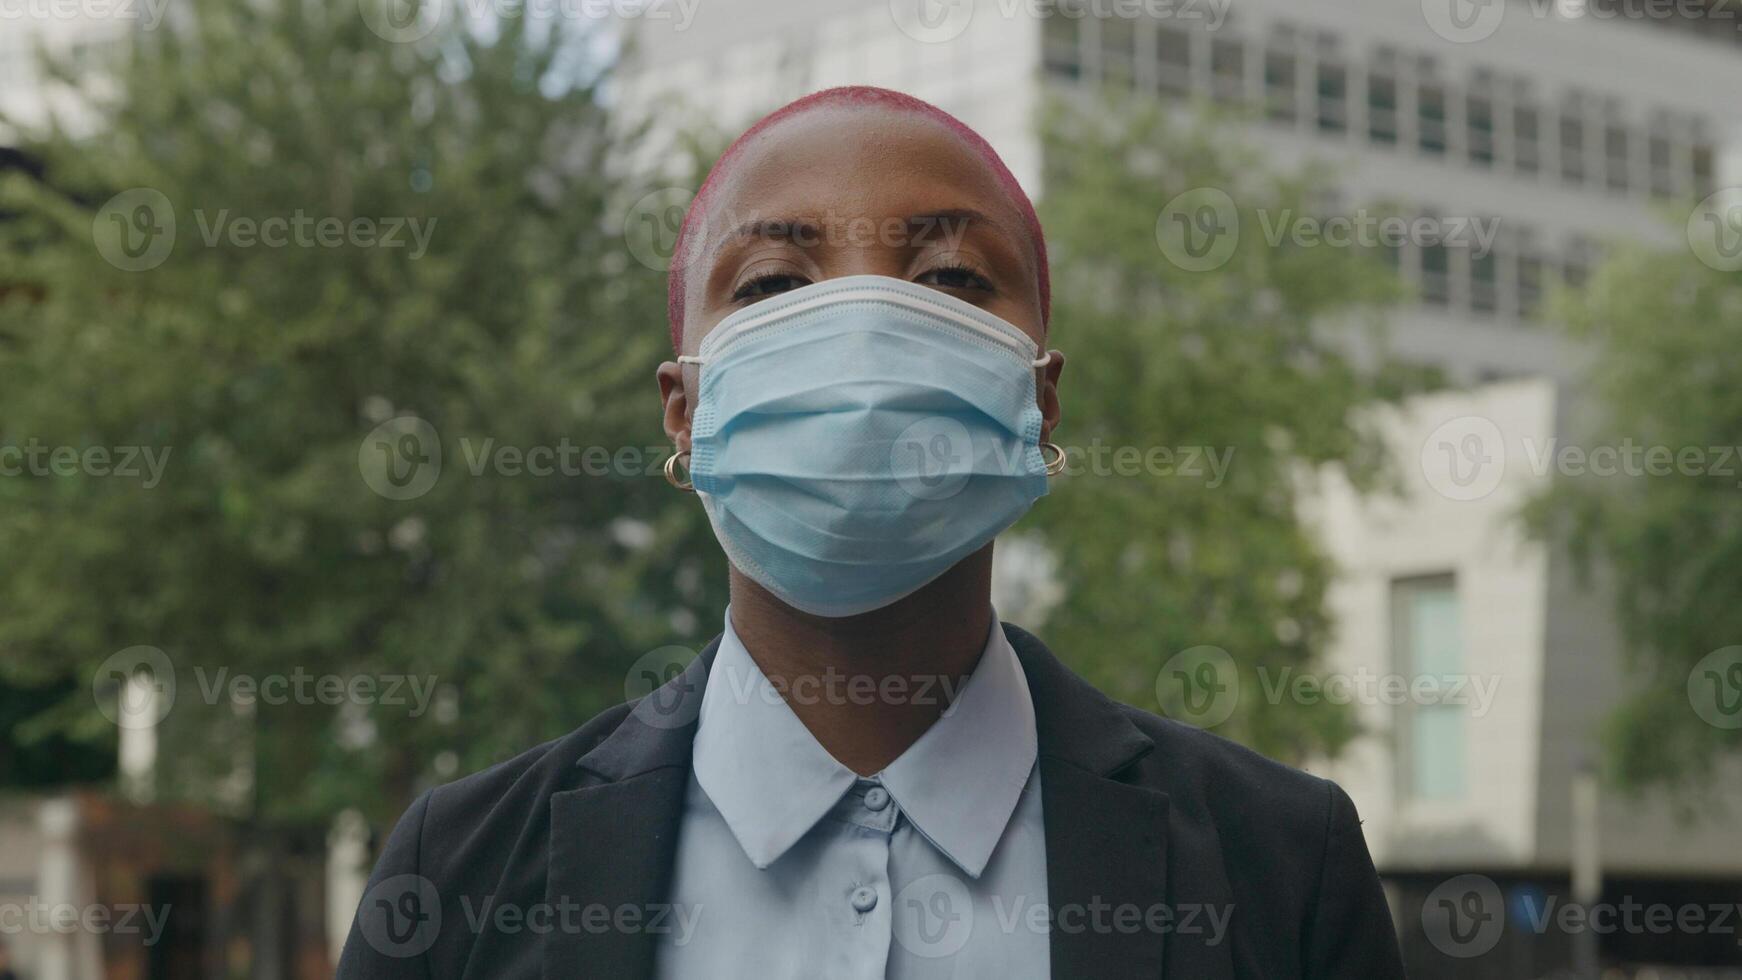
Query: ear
[[675, 401], [1048, 395]]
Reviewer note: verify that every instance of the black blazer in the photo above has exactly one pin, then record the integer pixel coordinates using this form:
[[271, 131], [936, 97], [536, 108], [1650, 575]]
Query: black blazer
[[526, 869]]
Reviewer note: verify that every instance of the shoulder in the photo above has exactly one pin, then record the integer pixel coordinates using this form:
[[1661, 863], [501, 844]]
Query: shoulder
[[477, 842], [457, 823], [1270, 822], [1222, 773], [537, 772], [1207, 777]]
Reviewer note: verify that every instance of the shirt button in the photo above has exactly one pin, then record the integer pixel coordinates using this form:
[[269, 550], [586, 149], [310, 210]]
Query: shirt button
[[864, 899], [876, 798]]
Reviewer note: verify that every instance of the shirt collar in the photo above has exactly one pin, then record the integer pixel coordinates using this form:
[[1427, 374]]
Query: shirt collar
[[957, 784]]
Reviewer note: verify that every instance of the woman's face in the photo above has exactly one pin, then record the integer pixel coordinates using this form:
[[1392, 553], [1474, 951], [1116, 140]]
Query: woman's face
[[856, 190]]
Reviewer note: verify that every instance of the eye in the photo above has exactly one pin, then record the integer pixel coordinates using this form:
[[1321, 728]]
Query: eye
[[955, 275], [768, 284]]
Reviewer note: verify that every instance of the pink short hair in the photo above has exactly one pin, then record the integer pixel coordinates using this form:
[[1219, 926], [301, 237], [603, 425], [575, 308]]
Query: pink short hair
[[853, 95]]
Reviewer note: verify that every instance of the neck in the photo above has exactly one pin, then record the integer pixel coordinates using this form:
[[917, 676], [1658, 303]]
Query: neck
[[868, 686]]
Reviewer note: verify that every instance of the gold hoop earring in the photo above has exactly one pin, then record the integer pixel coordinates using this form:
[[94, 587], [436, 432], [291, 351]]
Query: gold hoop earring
[[671, 472], [1056, 465]]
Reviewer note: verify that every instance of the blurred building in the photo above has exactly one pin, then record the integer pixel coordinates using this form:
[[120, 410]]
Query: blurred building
[[101, 889], [1558, 125], [80, 31]]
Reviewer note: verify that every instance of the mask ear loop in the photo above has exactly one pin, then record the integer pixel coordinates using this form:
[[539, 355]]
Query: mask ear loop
[[673, 461], [1056, 465]]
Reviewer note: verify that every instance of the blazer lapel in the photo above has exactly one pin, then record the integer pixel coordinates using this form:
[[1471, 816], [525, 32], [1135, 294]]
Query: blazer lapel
[[613, 843], [1106, 838]]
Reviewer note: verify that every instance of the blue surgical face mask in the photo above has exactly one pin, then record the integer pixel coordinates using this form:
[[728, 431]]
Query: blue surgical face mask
[[855, 438]]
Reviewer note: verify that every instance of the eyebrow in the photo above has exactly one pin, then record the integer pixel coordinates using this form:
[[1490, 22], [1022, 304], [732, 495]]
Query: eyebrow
[[808, 227]]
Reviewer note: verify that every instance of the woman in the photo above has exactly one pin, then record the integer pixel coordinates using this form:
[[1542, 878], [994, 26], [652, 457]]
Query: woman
[[866, 775]]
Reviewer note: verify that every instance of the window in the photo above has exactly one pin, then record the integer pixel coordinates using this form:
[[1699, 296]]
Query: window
[[1530, 269], [1059, 49], [1118, 49], [1431, 116], [1484, 281], [1572, 147], [1702, 169], [1391, 253], [1228, 70], [1279, 86], [1479, 116], [1333, 95], [1576, 267], [1173, 55], [1436, 274], [1526, 150], [1382, 106], [1617, 160], [1427, 639], [1661, 155]]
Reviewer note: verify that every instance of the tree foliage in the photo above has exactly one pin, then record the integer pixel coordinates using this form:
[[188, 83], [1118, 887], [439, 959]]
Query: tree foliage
[[258, 372], [1261, 354], [1662, 540]]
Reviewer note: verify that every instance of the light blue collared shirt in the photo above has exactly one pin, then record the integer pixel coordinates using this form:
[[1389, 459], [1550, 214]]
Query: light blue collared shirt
[[795, 867]]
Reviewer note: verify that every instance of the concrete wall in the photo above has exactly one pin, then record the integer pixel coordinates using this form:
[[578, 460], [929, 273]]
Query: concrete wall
[[1501, 582], [736, 61], [1548, 643]]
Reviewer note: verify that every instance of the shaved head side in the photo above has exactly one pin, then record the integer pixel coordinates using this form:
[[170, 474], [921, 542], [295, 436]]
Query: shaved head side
[[854, 96]]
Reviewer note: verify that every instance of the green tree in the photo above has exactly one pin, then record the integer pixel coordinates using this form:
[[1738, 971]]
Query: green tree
[[254, 347], [1664, 544], [1192, 330]]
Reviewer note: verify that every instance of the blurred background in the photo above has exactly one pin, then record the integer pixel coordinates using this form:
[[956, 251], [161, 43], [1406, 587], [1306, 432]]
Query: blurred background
[[1403, 414]]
